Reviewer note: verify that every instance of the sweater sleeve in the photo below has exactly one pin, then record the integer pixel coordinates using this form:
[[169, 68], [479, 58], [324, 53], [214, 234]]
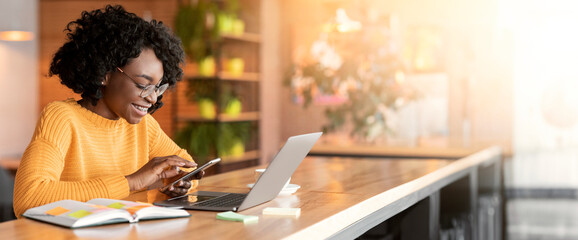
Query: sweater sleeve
[[162, 145], [38, 177]]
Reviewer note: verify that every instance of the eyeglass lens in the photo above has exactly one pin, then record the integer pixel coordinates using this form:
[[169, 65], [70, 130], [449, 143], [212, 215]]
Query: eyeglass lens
[[152, 88], [147, 91]]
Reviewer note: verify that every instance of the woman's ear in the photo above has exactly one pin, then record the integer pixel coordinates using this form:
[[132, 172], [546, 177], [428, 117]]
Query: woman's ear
[[105, 79]]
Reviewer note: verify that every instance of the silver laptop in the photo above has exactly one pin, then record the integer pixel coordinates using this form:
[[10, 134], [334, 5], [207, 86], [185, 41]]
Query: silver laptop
[[265, 189]]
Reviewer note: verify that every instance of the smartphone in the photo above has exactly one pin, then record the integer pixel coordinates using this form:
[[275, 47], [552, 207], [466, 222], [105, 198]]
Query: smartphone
[[192, 173]]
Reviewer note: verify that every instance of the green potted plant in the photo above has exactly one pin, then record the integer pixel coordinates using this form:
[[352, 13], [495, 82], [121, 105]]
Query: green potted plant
[[196, 23], [232, 137], [200, 24], [199, 138], [204, 93], [206, 140], [228, 21], [230, 101]]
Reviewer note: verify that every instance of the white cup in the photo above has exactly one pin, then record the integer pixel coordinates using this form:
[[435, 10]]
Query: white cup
[[260, 171]]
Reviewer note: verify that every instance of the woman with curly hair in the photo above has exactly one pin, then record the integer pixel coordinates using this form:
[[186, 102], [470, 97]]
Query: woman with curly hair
[[106, 144]]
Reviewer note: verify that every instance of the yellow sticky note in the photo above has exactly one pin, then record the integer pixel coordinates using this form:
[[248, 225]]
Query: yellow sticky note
[[80, 214], [56, 211], [293, 212], [116, 205]]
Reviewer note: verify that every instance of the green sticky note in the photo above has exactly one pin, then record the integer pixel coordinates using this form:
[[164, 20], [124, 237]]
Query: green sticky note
[[116, 205], [80, 214], [232, 216]]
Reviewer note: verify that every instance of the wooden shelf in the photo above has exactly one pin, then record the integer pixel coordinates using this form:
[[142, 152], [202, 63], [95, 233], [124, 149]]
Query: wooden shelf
[[228, 80], [226, 76], [248, 77], [223, 117], [249, 155], [245, 37], [244, 116]]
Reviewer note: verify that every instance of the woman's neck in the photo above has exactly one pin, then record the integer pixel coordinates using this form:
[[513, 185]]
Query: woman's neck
[[85, 103]]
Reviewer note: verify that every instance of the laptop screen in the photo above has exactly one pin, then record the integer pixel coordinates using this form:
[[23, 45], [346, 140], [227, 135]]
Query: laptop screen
[[280, 169]]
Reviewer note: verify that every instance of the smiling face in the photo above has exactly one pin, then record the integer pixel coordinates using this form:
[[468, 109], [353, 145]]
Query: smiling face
[[121, 94]]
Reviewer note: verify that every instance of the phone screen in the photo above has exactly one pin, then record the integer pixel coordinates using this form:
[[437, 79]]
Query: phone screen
[[192, 173]]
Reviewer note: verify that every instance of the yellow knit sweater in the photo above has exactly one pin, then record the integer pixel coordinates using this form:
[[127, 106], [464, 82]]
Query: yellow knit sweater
[[77, 154]]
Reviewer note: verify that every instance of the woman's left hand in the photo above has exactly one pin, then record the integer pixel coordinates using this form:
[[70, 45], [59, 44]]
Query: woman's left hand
[[181, 187]]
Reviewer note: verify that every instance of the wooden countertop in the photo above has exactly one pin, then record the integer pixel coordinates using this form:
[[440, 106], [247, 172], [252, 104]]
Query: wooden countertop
[[393, 151], [434, 147], [335, 193]]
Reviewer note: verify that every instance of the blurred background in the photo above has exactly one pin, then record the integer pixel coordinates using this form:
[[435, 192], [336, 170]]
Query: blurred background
[[463, 74]]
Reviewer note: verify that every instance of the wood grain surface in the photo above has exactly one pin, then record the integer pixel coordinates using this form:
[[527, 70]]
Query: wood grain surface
[[335, 192]]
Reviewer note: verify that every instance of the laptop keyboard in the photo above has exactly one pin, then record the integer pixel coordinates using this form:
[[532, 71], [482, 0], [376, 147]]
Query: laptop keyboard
[[227, 200]]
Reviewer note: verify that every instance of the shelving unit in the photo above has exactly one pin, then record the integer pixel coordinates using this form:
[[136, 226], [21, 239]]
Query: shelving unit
[[245, 85]]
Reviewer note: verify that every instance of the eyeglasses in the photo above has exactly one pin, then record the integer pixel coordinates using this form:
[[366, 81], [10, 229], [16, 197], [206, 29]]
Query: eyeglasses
[[148, 89]]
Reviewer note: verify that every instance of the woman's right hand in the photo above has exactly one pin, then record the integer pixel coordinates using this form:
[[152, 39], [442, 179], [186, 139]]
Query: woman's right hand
[[156, 169]]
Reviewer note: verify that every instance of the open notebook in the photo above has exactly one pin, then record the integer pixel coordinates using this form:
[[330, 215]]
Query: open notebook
[[265, 189], [99, 211]]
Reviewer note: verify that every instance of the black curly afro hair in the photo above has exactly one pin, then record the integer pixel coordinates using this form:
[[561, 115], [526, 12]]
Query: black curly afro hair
[[103, 39]]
